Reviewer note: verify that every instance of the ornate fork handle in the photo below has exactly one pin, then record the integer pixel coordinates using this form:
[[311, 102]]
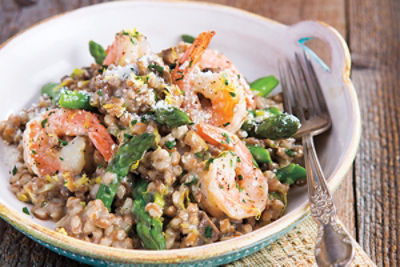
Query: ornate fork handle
[[333, 246]]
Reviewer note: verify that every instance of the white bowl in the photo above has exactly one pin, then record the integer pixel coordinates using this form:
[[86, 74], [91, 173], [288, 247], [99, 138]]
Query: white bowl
[[56, 46]]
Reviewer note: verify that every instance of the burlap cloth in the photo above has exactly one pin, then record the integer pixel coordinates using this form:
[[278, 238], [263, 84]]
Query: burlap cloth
[[296, 248]]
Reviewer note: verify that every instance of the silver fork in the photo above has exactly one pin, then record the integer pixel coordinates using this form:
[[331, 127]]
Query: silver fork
[[303, 97]]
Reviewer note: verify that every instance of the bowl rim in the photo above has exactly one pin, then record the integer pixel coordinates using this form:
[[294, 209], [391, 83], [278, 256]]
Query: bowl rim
[[56, 239]]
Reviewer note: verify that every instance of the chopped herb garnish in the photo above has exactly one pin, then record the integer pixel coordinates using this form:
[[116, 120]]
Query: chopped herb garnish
[[100, 166], [226, 82], [180, 78], [238, 159], [170, 144], [43, 123], [155, 67], [100, 93], [240, 177], [238, 76], [34, 152], [220, 186], [226, 138], [226, 124], [172, 66], [187, 38], [190, 63], [201, 155], [61, 158], [243, 200], [64, 143], [194, 181], [290, 152], [237, 185], [14, 170], [232, 94], [25, 210], [209, 161], [208, 232], [133, 122]]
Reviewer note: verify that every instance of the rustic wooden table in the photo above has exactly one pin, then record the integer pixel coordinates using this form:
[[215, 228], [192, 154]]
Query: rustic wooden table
[[368, 200]]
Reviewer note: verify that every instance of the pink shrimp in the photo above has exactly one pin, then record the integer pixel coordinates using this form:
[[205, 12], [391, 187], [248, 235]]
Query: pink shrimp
[[42, 135], [231, 185], [128, 46], [219, 97]]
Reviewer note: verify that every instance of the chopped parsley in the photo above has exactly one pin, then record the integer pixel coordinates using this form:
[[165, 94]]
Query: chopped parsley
[[209, 161], [238, 159], [170, 144], [228, 140], [194, 181], [33, 152], [240, 177], [232, 94], [61, 158], [201, 155], [133, 122], [172, 66], [208, 232], [238, 76], [25, 210], [190, 63], [226, 82], [243, 200], [226, 124], [155, 67], [290, 152], [187, 38], [14, 170], [180, 78], [43, 123], [100, 93], [64, 143]]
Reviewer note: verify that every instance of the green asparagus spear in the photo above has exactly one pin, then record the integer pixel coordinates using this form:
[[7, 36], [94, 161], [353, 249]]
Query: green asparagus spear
[[291, 173], [172, 117], [260, 154], [128, 154], [74, 100], [279, 126], [272, 125], [187, 38], [149, 229], [52, 90], [97, 52], [263, 86]]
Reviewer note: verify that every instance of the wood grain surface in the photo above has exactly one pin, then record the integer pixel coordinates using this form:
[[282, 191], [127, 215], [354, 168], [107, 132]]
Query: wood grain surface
[[369, 198]]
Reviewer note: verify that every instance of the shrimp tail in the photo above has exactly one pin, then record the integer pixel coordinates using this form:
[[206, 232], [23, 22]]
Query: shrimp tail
[[191, 57]]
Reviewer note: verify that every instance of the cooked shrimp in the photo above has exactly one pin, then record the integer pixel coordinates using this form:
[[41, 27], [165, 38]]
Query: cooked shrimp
[[218, 98], [128, 46], [231, 185], [214, 60], [43, 134]]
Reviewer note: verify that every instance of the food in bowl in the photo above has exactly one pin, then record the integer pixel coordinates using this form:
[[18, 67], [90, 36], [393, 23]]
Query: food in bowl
[[155, 150]]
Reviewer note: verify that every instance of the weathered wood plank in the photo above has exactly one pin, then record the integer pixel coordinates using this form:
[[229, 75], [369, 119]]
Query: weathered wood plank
[[375, 44]]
